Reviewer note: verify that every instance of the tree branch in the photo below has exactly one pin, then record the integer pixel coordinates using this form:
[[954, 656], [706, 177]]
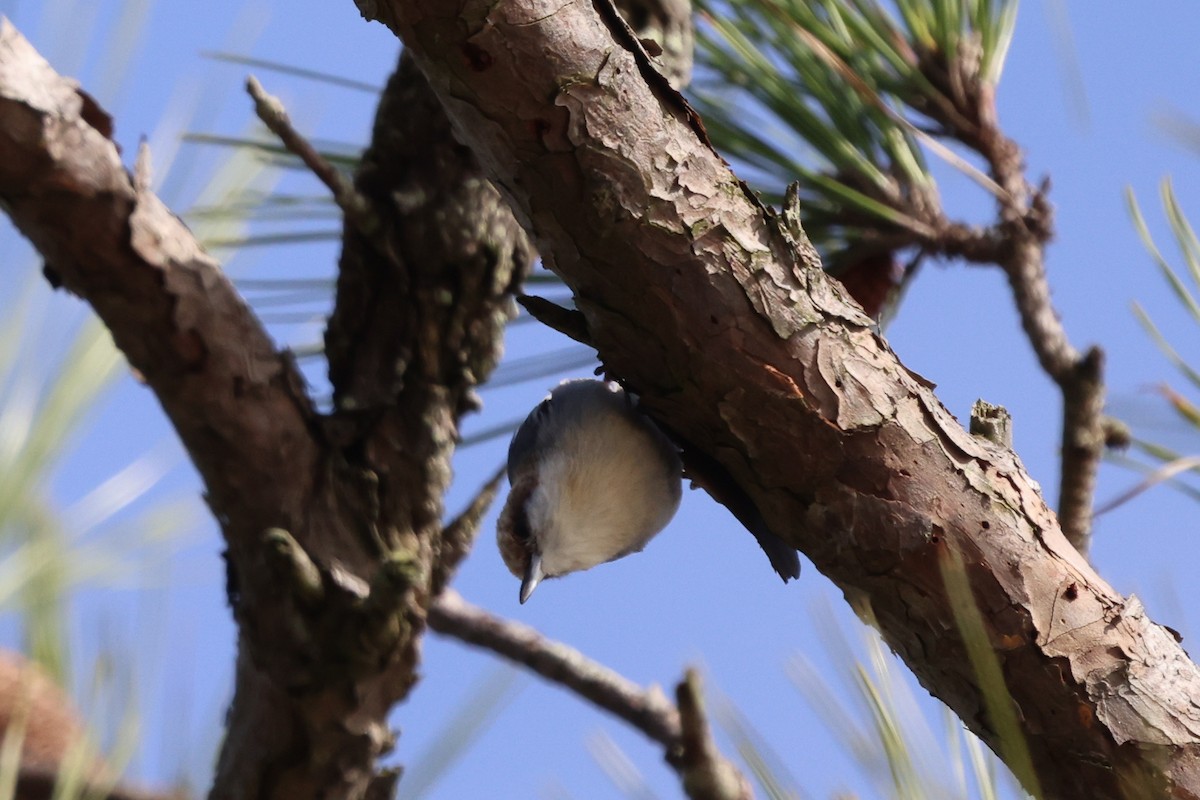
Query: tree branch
[[458, 537], [237, 403], [332, 524], [706, 773], [1026, 219], [693, 298], [648, 711], [422, 300], [683, 732], [270, 110], [966, 110]]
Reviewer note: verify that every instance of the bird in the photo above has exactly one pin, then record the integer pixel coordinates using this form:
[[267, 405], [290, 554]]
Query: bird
[[592, 480]]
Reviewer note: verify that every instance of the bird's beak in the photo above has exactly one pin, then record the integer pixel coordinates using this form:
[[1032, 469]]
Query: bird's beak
[[533, 576]]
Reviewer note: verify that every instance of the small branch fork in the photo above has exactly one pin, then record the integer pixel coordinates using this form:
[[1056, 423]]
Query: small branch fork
[[682, 729], [965, 110], [1026, 224], [648, 711], [962, 105]]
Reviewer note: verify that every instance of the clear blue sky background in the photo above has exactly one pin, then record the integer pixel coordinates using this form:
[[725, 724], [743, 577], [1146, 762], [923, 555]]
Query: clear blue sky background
[[702, 593]]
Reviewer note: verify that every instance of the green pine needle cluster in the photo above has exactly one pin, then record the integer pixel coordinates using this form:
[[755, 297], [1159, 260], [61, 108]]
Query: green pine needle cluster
[[847, 97]]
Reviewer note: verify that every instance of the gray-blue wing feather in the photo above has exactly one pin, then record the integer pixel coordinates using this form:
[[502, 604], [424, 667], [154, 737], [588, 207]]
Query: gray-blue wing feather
[[524, 442]]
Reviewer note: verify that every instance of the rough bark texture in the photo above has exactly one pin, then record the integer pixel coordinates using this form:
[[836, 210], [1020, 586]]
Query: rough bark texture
[[422, 299], [332, 524], [696, 300]]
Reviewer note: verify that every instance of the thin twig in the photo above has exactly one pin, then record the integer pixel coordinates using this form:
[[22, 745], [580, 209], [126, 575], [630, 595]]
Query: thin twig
[[567, 321], [706, 773], [647, 710], [458, 536], [1079, 377], [684, 732], [1084, 438], [270, 110], [1026, 271], [1026, 218]]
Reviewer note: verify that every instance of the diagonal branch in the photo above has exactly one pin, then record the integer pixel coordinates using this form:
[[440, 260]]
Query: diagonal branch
[[458, 536], [648, 711], [693, 297], [237, 403], [272, 113], [682, 731]]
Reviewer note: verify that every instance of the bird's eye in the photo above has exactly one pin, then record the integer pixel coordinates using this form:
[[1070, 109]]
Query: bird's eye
[[542, 412]]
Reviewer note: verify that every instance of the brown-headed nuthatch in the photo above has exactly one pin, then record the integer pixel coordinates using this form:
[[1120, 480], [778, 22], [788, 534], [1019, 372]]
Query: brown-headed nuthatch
[[592, 480]]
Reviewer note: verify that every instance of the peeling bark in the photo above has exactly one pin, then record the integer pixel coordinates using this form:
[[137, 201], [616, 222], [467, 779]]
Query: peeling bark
[[695, 299]]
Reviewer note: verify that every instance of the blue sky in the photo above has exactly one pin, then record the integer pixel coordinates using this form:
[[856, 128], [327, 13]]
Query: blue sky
[[702, 593]]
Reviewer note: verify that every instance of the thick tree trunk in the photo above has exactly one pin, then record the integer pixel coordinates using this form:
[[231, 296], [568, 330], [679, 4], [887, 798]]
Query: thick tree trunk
[[752, 358]]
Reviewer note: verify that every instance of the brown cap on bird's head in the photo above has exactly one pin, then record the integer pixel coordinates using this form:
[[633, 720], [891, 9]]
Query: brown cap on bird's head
[[512, 529]]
